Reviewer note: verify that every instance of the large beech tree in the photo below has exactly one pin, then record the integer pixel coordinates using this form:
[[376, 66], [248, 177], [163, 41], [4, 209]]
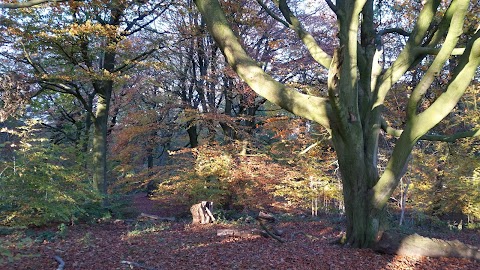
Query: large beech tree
[[358, 85]]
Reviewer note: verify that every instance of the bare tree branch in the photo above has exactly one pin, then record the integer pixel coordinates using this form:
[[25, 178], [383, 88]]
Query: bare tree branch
[[28, 4], [435, 51], [313, 47], [393, 30], [451, 138], [433, 137], [132, 62], [272, 14], [332, 6]]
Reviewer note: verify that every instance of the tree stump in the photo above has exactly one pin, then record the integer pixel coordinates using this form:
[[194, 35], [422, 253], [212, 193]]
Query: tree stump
[[202, 213], [151, 187]]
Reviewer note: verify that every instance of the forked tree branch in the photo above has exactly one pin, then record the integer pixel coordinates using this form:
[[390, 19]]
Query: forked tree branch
[[272, 14], [451, 138], [293, 23], [310, 107], [433, 137]]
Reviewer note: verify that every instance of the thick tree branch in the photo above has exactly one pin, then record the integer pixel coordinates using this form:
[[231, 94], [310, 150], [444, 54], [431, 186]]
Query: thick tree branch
[[272, 14], [313, 48], [332, 6], [407, 56], [399, 31], [462, 76], [310, 107], [451, 138], [28, 4], [419, 124], [435, 51], [432, 137], [454, 17]]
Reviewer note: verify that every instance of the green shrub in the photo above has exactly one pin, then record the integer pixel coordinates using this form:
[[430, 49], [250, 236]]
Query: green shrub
[[43, 183]]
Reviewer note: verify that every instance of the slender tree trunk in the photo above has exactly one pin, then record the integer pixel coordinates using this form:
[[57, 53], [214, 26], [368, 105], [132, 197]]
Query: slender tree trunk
[[100, 179], [228, 131], [193, 136]]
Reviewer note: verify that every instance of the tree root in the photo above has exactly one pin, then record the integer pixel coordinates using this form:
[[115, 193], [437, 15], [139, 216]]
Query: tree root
[[411, 245]]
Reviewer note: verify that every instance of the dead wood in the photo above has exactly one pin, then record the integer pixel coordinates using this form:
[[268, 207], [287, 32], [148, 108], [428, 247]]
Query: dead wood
[[61, 263], [155, 217], [238, 233], [266, 222], [272, 232], [266, 217], [410, 245], [134, 264], [202, 212]]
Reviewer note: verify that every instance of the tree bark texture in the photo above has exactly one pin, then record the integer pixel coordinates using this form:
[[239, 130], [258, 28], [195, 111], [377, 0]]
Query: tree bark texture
[[202, 212], [358, 85]]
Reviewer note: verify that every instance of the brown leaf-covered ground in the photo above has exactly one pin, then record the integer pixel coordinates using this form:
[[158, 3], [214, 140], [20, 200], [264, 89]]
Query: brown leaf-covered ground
[[179, 245]]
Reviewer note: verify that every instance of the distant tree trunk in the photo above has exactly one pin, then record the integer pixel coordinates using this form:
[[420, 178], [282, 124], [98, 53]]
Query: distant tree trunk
[[228, 131], [193, 136], [103, 88], [403, 199]]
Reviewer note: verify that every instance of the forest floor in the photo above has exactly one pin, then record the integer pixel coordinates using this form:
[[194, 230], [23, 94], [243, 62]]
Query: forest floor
[[117, 244]]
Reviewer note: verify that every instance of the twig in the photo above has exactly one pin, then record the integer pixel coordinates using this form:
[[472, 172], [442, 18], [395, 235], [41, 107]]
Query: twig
[[61, 263]]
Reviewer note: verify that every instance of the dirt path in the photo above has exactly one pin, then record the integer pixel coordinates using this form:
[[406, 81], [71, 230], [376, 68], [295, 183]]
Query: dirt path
[[143, 204]]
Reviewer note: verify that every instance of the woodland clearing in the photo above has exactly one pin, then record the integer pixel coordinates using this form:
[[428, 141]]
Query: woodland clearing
[[117, 244]]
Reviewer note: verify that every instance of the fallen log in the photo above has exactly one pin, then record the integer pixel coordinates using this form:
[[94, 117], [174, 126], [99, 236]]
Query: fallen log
[[417, 245], [155, 217], [238, 233], [267, 222]]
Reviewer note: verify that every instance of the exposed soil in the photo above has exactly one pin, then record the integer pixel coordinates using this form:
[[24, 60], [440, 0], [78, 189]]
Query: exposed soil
[[143, 204]]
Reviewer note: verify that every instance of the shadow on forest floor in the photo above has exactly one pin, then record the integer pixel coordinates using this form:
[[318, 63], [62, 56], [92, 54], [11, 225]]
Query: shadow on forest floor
[[117, 244]]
